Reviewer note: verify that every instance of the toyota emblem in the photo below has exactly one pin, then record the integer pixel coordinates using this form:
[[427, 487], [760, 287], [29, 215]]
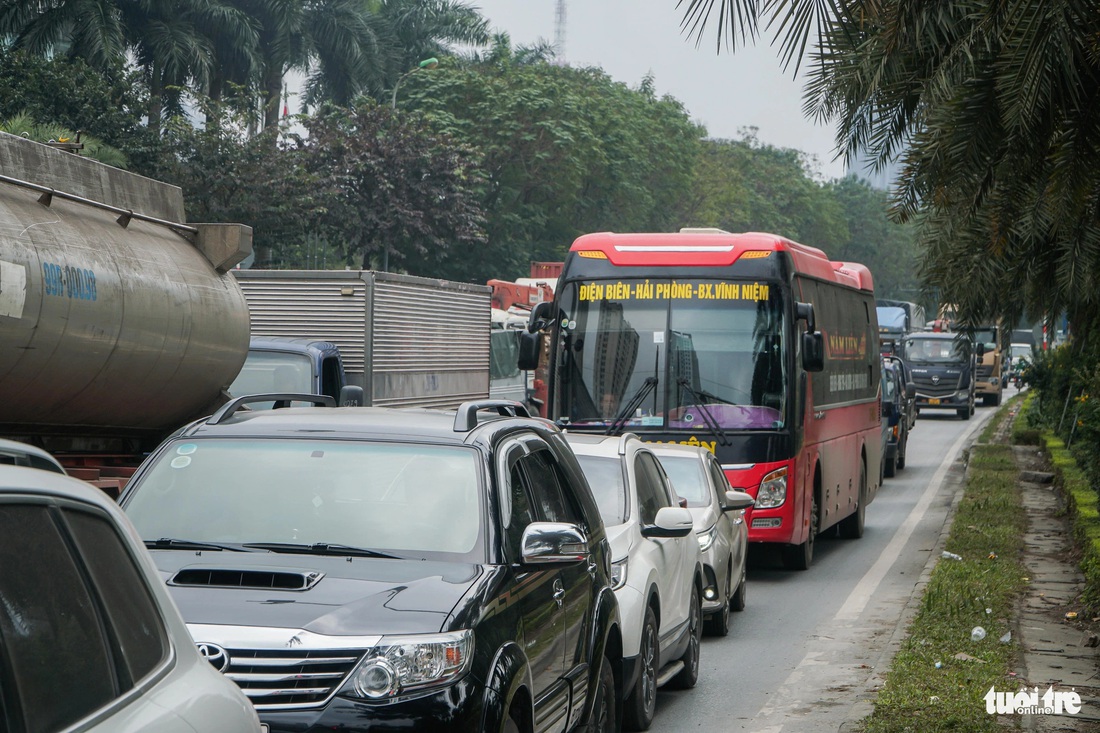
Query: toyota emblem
[[215, 655]]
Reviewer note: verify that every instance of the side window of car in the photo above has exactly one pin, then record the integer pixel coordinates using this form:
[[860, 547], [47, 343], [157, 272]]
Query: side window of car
[[130, 609], [51, 635], [718, 476], [522, 512], [652, 492], [546, 479]]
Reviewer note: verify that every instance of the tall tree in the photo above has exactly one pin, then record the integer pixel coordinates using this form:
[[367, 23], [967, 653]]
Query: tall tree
[[993, 109], [404, 194], [92, 30]]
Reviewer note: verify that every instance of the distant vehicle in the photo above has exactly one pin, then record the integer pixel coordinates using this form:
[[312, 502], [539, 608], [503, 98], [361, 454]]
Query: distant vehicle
[[1020, 356], [915, 316], [899, 410], [656, 569], [89, 638], [943, 367], [407, 341], [762, 349], [719, 514], [893, 324], [16, 453], [282, 364], [364, 569]]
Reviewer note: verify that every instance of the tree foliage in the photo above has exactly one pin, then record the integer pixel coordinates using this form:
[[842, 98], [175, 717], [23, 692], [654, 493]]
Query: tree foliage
[[401, 191], [563, 151]]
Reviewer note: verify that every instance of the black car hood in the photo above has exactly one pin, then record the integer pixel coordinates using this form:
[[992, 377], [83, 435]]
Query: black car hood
[[356, 596]]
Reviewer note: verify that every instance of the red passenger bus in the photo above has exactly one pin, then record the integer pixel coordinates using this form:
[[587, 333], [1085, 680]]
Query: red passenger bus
[[759, 348]]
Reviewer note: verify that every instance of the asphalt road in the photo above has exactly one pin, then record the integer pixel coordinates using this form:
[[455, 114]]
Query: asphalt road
[[811, 647]]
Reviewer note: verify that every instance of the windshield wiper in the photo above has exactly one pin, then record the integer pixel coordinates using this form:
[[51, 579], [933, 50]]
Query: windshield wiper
[[168, 543], [321, 548], [635, 402], [697, 403]]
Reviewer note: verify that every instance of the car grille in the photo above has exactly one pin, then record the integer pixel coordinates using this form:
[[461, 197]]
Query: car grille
[[285, 678], [945, 388], [985, 372]]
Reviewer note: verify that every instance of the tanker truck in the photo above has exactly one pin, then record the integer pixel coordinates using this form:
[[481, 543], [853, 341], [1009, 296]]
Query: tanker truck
[[119, 322]]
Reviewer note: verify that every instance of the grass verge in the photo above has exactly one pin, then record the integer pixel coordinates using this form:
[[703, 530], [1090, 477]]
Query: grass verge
[[939, 677]]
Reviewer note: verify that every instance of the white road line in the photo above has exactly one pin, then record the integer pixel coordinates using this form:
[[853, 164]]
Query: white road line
[[868, 584]]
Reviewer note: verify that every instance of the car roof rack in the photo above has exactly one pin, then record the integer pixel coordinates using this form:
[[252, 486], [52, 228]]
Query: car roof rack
[[466, 416], [281, 399]]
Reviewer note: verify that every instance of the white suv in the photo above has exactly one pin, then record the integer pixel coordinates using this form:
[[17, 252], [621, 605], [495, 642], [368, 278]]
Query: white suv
[[656, 572]]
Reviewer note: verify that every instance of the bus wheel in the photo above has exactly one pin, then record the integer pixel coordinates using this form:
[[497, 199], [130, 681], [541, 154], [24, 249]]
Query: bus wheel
[[799, 557], [851, 527]]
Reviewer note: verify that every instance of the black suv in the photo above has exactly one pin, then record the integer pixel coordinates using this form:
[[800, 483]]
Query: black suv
[[362, 569]]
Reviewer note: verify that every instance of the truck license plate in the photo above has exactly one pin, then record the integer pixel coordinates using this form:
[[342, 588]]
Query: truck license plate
[[933, 402]]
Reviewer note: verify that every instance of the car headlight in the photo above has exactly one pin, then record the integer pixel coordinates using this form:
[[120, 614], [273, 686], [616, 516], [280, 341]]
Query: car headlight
[[706, 538], [962, 394], [618, 574], [404, 664], [773, 490]]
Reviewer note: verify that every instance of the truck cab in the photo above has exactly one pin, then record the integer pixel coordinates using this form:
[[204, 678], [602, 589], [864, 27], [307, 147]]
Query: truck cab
[[290, 365]]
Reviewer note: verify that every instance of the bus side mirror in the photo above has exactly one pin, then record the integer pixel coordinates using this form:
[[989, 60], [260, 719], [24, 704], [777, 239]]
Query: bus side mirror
[[813, 352], [530, 346], [805, 312], [541, 316]]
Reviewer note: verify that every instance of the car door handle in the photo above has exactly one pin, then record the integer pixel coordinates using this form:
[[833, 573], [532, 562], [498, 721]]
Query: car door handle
[[592, 566], [559, 592], [819, 415]]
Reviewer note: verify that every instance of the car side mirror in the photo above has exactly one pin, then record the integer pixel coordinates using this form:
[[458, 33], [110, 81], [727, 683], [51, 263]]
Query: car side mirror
[[735, 500], [671, 521], [552, 543], [979, 349], [351, 395], [683, 503], [910, 390], [813, 351], [530, 347]]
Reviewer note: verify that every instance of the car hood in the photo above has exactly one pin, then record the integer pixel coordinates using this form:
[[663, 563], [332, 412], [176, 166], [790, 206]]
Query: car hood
[[703, 517], [341, 596]]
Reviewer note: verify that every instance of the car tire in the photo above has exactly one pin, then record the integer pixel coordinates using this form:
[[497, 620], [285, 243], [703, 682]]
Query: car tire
[[799, 557], [964, 413], [641, 703], [851, 527], [604, 718], [719, 622], [512, 725], [891, 464], [686, 678], [737, 600], [903, 445]]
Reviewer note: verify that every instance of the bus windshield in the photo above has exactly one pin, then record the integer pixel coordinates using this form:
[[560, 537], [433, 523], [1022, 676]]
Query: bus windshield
[[673, 354]]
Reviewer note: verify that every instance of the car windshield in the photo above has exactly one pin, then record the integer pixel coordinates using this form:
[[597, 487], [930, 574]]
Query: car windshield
[[605, 476], [657, 353], [934, 351], [267, 372], [410, 500], [688, 478]]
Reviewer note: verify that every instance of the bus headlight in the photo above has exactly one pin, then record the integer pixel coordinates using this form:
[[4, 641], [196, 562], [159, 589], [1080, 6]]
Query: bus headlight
[[401, 664], [773, 490]]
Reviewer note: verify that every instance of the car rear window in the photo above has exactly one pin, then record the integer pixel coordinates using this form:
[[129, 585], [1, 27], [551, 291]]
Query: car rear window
[[412, 500], [688, 478]]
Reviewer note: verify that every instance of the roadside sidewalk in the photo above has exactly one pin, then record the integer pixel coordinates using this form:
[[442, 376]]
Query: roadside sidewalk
[[1055, 649]]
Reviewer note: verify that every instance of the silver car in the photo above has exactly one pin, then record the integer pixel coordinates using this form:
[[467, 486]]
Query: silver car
[[719, 516], [89, 639]]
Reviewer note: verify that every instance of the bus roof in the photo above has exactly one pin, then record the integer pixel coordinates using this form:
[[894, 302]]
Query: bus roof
[[715, 248]]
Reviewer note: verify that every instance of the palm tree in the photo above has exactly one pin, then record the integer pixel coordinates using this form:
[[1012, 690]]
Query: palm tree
[[992, 108], [89, 29], [415, 30]]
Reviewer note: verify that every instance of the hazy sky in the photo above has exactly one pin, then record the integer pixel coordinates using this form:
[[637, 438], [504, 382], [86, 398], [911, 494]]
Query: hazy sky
[[630, 38]]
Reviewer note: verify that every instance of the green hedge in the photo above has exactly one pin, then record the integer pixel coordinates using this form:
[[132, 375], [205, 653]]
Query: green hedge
[[1082, 503]]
